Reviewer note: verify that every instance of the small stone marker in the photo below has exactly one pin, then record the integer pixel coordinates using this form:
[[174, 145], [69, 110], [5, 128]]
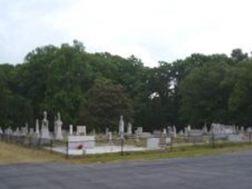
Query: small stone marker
[[174, 131], [37, 128], [153, 143], [31, 131], [70, 130], [129, 129], [81, 130], [110, 138]]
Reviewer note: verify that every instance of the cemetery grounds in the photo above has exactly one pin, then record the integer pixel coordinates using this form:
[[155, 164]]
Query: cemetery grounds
[[13, 153]]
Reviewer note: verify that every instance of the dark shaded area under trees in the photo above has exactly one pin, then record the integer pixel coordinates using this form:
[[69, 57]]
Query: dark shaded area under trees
[[94, 89]]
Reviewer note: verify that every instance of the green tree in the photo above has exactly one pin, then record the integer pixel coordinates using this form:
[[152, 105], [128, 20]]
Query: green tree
[[240, 102], [105, 103], [204, 95]]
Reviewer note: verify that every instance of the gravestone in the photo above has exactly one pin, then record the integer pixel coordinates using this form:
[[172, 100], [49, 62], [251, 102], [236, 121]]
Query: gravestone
[[174, 131], [145, 135], [168, 140], [186, 131], [81, 130], [189, 128], [169, 130], [25, 130], [70, 130], [129, 129], [93, 132], [107, 131], [58, 127], [153, 143], [242, 129], [110, 138], [196, 135], [204, 129], [236, 129], [45, 127], [157, 133], [137, 136], [235, 138], [164, 131], [37, 128], [181, 133], [121, 127], [17, 132], [196, 132], [8, 131], [31, 131], [222, 129], [249, 129], [140, 130]]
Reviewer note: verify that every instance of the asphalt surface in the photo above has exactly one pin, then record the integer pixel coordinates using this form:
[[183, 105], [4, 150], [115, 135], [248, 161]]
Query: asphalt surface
[[227, 171]]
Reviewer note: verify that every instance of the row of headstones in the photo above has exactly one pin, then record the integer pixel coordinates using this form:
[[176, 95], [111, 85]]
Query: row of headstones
[[81, 130], [121, 128], [43, 131], [218, 128], [215, 128]]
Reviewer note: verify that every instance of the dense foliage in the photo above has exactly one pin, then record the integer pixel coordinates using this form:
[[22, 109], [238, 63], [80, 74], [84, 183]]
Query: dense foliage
[[95, 89]]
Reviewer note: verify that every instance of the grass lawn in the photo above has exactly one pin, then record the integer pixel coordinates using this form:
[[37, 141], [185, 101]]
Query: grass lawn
[[12, 153]]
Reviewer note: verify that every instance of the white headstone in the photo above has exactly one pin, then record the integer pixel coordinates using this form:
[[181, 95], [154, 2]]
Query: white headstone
[[140, 130], [121, 126], [174, 131], [186, 131], [70, 130], [153, 143], [58, 126], [129, 129], [110, 138], [205, 131], [31, 131], [181, 132], [164, 131], [169, 130], [81, 130], [242, 129], [189, 128], [249, 129], [45, 127], [37, 128], [106, 131], [93, 132], [8, 131]]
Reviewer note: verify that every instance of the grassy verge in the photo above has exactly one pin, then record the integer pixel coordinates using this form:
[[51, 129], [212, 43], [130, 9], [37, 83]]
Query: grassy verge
[[11, 153]]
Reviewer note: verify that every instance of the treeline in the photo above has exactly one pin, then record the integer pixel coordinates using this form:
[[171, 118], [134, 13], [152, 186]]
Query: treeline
[[95, 89]]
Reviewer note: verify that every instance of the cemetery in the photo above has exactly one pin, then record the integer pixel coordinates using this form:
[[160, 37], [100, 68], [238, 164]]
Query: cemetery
[[78, 141]]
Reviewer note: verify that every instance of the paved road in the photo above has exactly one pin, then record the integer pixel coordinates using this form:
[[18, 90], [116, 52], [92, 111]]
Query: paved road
[[226, 171]]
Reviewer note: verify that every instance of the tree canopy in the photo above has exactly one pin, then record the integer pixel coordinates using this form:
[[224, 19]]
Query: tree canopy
[[96, 88]]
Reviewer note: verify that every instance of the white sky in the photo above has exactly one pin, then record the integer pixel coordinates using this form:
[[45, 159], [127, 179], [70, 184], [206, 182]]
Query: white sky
[[152, 30]]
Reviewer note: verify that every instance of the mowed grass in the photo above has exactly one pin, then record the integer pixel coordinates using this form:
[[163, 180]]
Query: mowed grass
[[12, 154]]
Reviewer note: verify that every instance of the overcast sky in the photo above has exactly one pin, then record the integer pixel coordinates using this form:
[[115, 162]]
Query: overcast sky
[[152, 30]]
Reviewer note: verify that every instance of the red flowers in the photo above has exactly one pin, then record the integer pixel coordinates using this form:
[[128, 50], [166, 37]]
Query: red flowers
[[80, 146]]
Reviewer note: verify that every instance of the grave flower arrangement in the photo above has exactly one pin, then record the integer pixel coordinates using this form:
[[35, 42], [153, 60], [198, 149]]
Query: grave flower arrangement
[[80, 146]]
